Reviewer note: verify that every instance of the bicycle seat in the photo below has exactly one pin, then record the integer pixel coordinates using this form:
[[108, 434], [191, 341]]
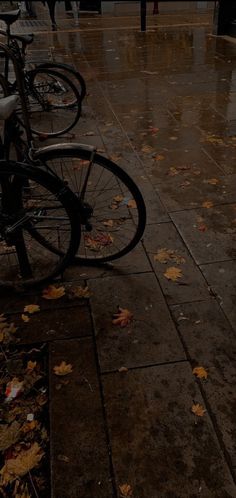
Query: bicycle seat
[[25, 39], [7, 106], [9, 17]]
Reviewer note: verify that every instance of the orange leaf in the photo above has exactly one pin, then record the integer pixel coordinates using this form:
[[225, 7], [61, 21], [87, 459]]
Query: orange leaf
[[53, 292], [31, 308], [198, 410], [200, 372], [212, 181], [25, 318], [132, 204], [63, 369], [173, 273], [31, 365], [123, 369], [126, 490], [159, 157], [207, 204], [123, 318]]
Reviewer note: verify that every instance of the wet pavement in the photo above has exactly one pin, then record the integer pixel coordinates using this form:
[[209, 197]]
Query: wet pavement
[[162, 105]]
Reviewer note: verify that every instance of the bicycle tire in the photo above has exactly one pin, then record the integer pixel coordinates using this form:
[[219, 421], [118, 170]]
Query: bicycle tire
[[71, 73], [68, 112], [31, 220], [122, 215]]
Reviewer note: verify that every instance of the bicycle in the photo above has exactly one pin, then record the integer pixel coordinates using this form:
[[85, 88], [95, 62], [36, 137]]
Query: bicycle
[[39, 223], [111, 208], [47, 88]]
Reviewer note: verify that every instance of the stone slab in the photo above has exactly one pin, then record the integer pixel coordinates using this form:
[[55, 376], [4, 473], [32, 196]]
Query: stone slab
[[209, 234], [158, 446], [151, 338], [80, 462], [191, 286]]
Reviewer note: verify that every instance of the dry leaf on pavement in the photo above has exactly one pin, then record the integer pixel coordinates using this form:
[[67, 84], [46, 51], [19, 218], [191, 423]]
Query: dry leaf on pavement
[[31, 308], [173, 273], [123, 369], [126, 490], [63, 369], [52, 292], [132, 204], [25, 318], [123, 317], [212, 181], [200, 372], [23, 463], [198, 410], [207, 204], [80, 292], [164, 255]]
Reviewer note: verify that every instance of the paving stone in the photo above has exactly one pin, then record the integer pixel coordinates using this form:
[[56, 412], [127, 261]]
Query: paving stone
[[211, 343], [158, 446], [150, 338], [221, 278], [209, 234], [191, 286], [80, 463], [224, 156]]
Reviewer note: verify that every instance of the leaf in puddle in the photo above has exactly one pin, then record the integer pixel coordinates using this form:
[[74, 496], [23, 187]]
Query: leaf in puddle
[[31, 308], [63, 369], [25, 318], [173, 273], [126, 490], [25, 461], [9, 434], [52, 292], [207, 204], [132, 204], [123, 317], [198, 410], [200, 372]]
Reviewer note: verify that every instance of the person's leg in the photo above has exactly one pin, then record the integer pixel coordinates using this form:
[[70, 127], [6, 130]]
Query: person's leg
[[51, 7]]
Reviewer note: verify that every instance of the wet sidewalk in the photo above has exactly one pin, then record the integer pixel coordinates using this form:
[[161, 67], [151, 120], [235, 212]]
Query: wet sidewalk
[[162, 105]]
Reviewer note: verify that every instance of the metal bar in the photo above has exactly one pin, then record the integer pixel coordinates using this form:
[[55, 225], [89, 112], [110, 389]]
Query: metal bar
[[143, 13]]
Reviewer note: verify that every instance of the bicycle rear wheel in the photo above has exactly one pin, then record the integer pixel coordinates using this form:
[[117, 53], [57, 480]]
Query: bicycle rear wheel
[[39, 225], [54, 102], [73, 75], [113, 211]]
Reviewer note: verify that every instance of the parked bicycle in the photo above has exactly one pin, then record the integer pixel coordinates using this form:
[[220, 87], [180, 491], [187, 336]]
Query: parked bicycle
[[54, 89]]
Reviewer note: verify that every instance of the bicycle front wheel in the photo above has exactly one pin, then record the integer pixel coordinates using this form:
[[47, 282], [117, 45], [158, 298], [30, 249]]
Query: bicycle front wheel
[[54, 102], [73, 75], [113, 214], [39, 226]]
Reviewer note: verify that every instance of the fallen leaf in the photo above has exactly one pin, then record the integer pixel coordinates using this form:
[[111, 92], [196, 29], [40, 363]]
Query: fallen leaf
[[164, 255], [173, 273], [132, 204], [53, 292], [123, 318], [153, 130], [108, 223], [198, 410], [207, 204], [159, 157], [126, 490], [123, 369], [97, 243], [22, 464], [63, 369], [31, 365], [25, 318], [9, 434], [147, 149], [200, 372], [212, 181], [30, 426], [31, 308], [80, 292]]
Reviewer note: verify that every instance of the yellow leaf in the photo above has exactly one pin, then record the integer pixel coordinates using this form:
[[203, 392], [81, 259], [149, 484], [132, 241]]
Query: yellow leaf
[[25, 318], [123, 369], [31, 365], [132, 204], [200, 372], [126, 490], [53, 292], [123, 318], [31, 308], [30, 426], [173, 273], [63, 369], [118, 198], [147, 149], [164, 255], [207, 204], [212, 181], [80, 292], [198, 410], [22, 464]]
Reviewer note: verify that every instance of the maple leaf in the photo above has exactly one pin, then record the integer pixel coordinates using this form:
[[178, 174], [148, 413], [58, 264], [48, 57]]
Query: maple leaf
[[147, 149], [80, 292], [126, 490], [164, 255], [30, 426], [198, 410], [31, 365], [22, 464], [63, 369], [173, 273], [207, 204], [31, 308], [53, 292], [25, 318], [200, 372], [123, 318]]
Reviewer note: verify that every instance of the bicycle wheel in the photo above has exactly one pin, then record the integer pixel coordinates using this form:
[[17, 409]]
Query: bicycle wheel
[[39, 225], [54, 102], [113, 211], [73, 75]]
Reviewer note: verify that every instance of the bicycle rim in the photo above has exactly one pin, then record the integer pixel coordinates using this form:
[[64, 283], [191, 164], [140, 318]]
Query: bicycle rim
[[113, 215], [73, 75], [40, 236]]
